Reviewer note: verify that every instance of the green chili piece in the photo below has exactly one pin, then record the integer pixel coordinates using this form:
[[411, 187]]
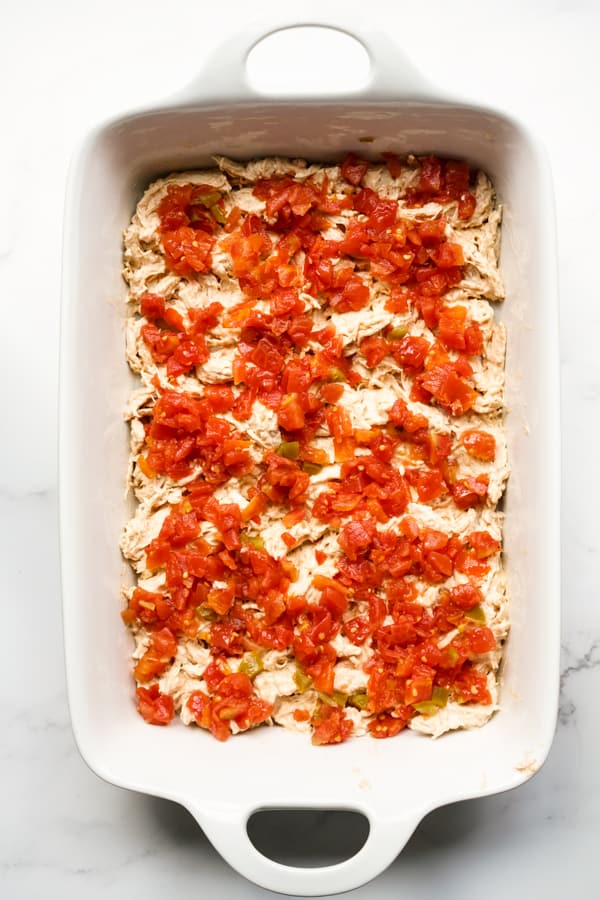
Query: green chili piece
[[218, 214], [336, 374], [311, 468], [254, 539], [209, 199], [336, 699], [439, 698], [360, 700], [397, 333], [303, 681], [476, 615], [452, 655], [289, 449], [206, 613], [251, 664], [426, 708]]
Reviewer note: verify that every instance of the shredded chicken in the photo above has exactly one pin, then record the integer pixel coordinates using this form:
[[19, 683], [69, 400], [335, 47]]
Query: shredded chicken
[[309, 545]]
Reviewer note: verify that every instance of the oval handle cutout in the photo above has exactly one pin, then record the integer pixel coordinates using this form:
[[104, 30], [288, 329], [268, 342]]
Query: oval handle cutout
[[308, 838], [308, 59]]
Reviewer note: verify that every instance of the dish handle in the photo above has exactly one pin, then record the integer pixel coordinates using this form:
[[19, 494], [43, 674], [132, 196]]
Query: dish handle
[[224, 75], [227, 832]]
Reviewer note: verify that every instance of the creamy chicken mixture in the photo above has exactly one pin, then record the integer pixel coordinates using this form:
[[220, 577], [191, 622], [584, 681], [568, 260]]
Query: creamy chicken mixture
[[317, 447]]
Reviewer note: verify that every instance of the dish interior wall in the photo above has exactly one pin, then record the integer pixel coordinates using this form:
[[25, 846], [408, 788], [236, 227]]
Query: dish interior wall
[[117, 165]]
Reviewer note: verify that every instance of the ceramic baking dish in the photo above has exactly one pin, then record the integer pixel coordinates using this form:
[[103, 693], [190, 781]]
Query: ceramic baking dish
[[395, 782]]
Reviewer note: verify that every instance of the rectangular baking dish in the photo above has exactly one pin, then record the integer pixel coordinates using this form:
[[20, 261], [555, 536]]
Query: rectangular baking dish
[[395, 782]]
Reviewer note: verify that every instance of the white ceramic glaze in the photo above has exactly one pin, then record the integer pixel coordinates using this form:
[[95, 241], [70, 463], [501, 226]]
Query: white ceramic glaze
[[396, 782]]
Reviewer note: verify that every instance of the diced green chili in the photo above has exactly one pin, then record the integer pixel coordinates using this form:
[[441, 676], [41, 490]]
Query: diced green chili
[[476, 615], [289, 449], [218, 214], [439, 698], [311, 468], [338, 698], [397, 333], [359, 700], [206, 613], [209, 199], [452, 655], [251, 664], [303, 681], [254, 539], [337, 374]]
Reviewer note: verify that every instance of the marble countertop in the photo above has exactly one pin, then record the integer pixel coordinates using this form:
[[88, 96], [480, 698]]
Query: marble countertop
[[65, 66]]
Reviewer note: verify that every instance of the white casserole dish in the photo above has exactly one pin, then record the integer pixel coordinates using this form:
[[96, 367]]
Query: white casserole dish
[[395, 782]]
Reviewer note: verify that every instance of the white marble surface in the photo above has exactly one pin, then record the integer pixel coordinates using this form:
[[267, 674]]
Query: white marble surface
[[65, 65]]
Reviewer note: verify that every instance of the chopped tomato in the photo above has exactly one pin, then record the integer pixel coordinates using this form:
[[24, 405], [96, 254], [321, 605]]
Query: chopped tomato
[[419, 686], [393, 164], [331, 393], [290, 414], [157, 657], [330, 725], [483, 544], [357, 629], [354, 169], [451, 391], [220, 586], [428, 483], [470, 491], [154, 707], [152, 306], [384, 725], [466, 596], [479, 640], [479, 444], [374, 349], [410, 352]]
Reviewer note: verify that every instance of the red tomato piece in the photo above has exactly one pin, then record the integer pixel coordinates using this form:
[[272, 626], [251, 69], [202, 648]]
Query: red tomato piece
[[199, 705], [330, 725], [357, 629], [152, 306], [374, 349], [479, 444], [470, 686], [451, 391], [483, 544], [430, 178], [466, 596], [154, 707], [479, 640], [290, 414], [356, 536], [428, 483], [188, 250], [419, 686], [354, 169], [331, 392], [403, 418], [410, 352], [385, 726], [393, 164], [322, 674], [470, 492], [466, 205], [157, 657], [448, 255], [452, 323]]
